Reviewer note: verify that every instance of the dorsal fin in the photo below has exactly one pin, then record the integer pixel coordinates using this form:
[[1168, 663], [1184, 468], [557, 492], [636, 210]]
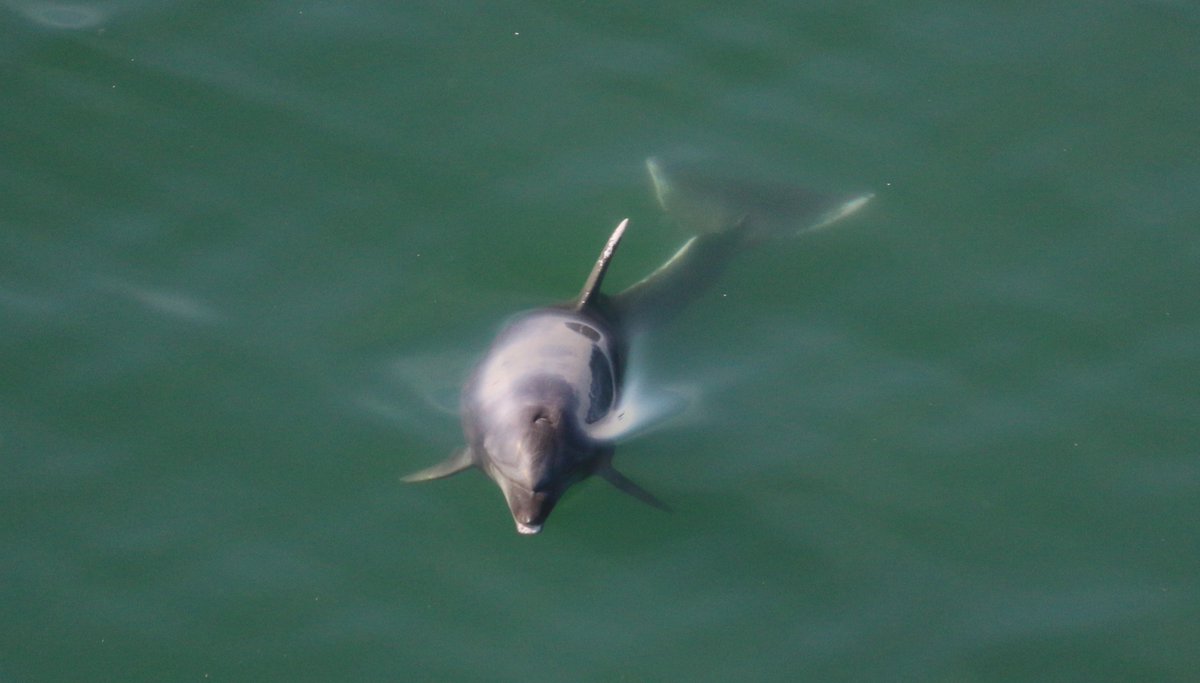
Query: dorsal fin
[[592, 285]]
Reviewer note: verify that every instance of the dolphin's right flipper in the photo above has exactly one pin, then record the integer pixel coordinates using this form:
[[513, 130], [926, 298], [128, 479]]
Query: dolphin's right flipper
[[626, 485], [461, 460]]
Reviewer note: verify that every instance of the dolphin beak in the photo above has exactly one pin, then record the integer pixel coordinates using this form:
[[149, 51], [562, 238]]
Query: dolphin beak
[[528, 529], [529, 509]]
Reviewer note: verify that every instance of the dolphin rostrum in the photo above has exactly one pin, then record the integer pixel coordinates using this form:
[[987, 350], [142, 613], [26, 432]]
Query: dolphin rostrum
[[544, 407]]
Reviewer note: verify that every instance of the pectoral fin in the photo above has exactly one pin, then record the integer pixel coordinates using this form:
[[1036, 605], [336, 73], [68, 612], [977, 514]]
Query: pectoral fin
[[625, 484], [456, 463]]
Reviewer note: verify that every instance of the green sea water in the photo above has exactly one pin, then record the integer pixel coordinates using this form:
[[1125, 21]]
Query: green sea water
[[249, 250]]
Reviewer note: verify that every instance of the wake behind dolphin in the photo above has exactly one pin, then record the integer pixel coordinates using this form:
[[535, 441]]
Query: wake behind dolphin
[[546, 404]]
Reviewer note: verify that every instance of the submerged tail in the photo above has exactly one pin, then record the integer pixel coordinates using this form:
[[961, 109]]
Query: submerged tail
[[706, 204], [724, 216]]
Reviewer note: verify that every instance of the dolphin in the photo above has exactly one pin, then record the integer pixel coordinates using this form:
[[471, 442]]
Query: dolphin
[[544, 407]]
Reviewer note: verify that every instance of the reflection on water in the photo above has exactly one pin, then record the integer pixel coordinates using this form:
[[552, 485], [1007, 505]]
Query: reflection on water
[[176, 305], [60, 15]]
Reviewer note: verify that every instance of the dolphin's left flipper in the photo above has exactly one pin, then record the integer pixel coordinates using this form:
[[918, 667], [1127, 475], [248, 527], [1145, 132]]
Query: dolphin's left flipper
[[461, 460], [625, 484]]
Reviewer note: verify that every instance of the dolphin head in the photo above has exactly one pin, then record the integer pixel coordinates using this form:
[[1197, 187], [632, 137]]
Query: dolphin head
[[537, 453]]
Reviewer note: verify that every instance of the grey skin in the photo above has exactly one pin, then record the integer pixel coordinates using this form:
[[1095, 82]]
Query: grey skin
[[543, 408]]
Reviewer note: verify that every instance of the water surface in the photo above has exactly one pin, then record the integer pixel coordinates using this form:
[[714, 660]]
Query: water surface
[[246, 253]]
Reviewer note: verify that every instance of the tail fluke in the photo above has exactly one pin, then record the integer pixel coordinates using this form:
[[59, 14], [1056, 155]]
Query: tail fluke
[[724, 216], [703, 204]]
